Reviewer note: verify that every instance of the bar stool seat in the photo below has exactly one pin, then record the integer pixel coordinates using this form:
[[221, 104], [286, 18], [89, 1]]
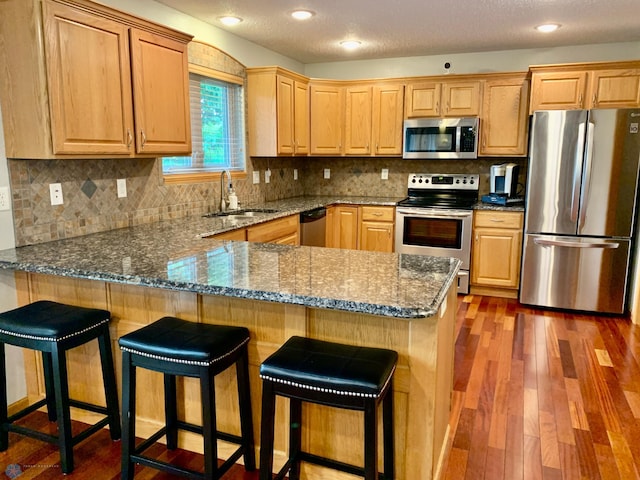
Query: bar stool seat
[[333, 374], [53, 328], [178, 347]]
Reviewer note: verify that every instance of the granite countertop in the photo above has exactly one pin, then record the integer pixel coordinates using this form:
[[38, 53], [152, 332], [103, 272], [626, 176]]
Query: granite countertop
[[173, 255], [500, 208]]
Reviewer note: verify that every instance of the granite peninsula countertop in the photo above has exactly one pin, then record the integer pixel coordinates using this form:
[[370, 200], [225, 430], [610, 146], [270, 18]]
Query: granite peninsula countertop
[[173, 255]]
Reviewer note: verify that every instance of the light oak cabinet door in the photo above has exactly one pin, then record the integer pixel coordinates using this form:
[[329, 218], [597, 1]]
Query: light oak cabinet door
[[89, 93], [439, 99], [376, 228], [327, 119], [292, 116], [301, 128], [504, 121], [343, 229], [358, 103], [387, 118], [283, 230], [497, 249], [160, 94], [615, 88], [558, 91]]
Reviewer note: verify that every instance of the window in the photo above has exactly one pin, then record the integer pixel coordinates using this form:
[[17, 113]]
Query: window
[[217, 128]]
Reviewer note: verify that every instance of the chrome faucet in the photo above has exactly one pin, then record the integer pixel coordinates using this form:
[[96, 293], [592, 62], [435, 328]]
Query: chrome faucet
[[223, 190]]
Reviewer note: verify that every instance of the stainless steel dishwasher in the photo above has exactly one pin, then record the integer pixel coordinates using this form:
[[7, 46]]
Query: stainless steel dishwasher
[[312, 227]]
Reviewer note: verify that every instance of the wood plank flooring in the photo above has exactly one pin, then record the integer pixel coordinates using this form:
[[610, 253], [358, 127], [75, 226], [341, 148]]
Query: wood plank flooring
[[537, 395]]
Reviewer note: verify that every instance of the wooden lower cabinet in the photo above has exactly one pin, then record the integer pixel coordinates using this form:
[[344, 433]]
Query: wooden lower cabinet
[[363, 227], [496, 253], [284, 231], [422, 381]]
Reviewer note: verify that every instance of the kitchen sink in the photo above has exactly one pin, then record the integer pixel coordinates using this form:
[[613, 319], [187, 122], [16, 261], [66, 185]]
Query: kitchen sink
[[245, 212]]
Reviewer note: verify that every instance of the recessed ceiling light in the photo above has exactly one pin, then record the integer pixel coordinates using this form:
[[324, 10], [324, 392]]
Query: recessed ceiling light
[[548, 27], [230, 21], [350, 44], [302, 14]]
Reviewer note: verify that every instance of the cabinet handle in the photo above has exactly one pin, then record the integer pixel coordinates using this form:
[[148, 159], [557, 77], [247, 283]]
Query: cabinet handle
[[129, 138], [580, 99], [377, 214], [438, 107], [446, 109], [143, 138], [595, 99], [476, 237], [497, 220]]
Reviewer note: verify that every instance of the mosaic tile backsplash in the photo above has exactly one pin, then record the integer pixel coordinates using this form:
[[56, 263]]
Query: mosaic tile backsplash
[[91, 203]]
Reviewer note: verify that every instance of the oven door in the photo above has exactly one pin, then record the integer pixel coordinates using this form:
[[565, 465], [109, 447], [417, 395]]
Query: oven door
[[436, 232]]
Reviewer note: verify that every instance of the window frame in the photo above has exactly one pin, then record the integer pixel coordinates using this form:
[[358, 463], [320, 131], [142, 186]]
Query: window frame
[[198, 177]]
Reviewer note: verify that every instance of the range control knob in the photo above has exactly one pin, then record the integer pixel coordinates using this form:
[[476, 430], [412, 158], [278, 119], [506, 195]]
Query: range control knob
[[472, 181]]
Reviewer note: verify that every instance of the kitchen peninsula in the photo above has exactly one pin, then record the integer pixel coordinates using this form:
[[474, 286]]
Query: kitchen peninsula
[[403, 302]]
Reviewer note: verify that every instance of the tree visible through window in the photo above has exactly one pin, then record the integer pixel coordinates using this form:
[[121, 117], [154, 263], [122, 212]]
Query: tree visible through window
[[217, 128]]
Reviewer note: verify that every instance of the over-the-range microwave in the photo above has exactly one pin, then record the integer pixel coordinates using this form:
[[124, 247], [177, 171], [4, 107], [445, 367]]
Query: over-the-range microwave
[[443, 138]]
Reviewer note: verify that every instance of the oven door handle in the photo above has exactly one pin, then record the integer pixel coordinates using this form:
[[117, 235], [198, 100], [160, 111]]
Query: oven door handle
[[431, 213]]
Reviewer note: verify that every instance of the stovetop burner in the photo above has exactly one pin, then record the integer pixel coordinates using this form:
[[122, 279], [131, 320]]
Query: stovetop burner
[[441, 191]]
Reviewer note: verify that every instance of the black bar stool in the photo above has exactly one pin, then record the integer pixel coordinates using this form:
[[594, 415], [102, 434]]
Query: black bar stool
[[53, 328], [343, 376], [177, 347]]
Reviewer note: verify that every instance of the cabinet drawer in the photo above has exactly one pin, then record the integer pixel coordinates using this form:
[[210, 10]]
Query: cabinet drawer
[[238, 234], [377, 214], [273, 230], [498, 219]]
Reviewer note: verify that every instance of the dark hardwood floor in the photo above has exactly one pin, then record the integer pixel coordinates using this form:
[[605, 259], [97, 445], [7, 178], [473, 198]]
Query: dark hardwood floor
[[537, 395]]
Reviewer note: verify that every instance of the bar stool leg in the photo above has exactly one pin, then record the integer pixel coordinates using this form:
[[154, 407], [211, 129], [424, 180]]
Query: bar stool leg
[[4, 434], [48, 386], [387, 439], [170, 411], [370, 441], [246, 422], [109, 382], [295, 437], [128, 415], [208, 398], [266, 431], [61, 388]]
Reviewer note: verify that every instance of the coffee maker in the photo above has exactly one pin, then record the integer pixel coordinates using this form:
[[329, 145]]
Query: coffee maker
[[503, 184], [504, 179]]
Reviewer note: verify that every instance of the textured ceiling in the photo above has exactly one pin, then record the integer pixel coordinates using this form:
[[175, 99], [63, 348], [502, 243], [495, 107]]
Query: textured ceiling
[[400, 28]]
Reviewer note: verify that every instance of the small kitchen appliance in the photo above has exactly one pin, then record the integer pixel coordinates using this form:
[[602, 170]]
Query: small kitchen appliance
[[503, 184], [440, 138], [435, 219]]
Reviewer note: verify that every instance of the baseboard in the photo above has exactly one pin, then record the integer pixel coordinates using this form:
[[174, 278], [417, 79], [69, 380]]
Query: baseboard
[[494, 291]]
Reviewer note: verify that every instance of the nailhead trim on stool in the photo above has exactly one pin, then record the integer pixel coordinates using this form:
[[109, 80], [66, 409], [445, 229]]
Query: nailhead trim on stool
[[333, 374], [176, 347], [53, 328]]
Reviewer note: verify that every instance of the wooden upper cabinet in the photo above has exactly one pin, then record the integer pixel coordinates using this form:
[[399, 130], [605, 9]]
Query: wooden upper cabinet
[[327, 118], [504, 120], [387, 117], [160, 94], [85, 63], [89, 94], [358, 104], [301, 128], [585, 86], [615, 88], [443, 99]]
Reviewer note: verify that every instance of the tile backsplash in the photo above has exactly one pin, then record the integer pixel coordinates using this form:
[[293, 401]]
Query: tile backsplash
[[91, 203]]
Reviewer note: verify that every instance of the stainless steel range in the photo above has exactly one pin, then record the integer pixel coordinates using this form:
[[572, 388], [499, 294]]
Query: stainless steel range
[[435, 219]]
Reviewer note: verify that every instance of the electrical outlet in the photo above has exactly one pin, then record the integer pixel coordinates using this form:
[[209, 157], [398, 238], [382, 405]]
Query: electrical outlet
[[5, 200], [55, 191], [385, 174], [295, 173], [122, 187], [327, 173], [256, 177], [267, 176]]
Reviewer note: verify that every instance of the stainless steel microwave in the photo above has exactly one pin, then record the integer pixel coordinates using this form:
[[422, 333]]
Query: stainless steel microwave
[[443, 138]]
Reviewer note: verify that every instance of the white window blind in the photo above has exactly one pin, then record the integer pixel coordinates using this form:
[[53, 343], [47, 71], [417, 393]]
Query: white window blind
[[217, 128]]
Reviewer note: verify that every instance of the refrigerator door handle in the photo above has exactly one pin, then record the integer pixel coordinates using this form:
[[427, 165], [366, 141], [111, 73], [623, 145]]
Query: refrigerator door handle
[[543, 242], [575, 188], [586, 180]]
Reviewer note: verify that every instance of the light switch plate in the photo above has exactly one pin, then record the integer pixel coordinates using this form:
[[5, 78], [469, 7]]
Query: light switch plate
[[267, 176], [256, 177], [55, 191], [5, 200], [327, 173], [122, 187], [385, 174], [295, 173]]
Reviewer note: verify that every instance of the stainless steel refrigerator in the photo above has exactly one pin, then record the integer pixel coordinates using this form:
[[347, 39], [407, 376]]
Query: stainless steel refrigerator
[[580, 209]]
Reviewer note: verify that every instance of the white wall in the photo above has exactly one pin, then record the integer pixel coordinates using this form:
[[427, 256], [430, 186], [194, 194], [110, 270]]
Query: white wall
[[15, 366]]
